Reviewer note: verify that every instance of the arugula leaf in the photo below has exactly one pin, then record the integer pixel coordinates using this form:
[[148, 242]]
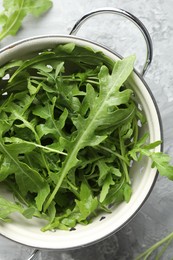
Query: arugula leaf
[[29, 212], [7, 207], [127, 192], [105, 188], [87, 204], [160, 160], [38, 7], [15, 11], [27, 178]]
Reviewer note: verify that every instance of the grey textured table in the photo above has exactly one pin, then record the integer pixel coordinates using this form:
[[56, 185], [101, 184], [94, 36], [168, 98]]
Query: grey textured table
[[155, 218]]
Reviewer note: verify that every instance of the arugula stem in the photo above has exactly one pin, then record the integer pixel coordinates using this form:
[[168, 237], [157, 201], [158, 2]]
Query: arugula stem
[[92, 82], [149, 251], [135, 132], [73, 189], [48, 149], [36, 77], [163, 249], [124, 166], [116, 154], [93, 77], [79, 80]]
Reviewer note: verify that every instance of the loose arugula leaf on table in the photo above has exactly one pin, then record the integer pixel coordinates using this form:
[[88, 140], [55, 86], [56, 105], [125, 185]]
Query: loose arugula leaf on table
[[16, 10], [68, 133]]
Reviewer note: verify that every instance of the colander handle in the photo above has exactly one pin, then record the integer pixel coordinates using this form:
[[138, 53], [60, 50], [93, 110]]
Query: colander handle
[[129, 16], [34, 255]]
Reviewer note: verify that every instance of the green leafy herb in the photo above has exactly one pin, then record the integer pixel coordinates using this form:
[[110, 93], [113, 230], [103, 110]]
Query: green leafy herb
[[68, 133], [15, 11], [8, 207]]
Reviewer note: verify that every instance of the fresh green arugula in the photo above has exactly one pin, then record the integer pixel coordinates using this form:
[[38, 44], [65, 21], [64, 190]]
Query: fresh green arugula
[[16, 10], [68, 133]]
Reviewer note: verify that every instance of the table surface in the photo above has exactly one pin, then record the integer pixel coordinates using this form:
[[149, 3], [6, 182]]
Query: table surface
[[154, 220]]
